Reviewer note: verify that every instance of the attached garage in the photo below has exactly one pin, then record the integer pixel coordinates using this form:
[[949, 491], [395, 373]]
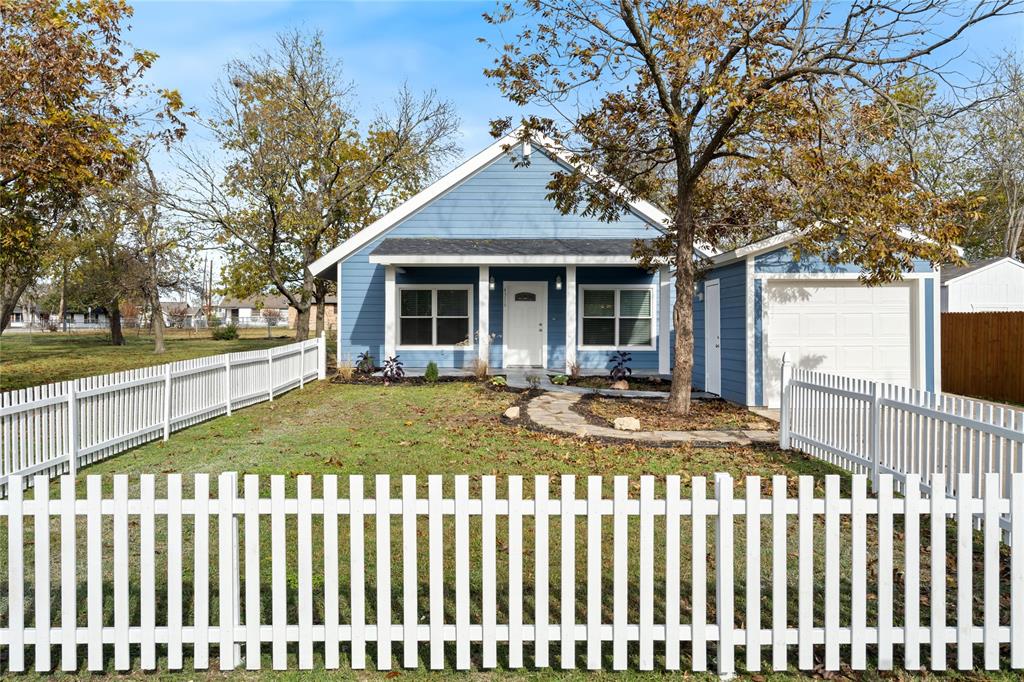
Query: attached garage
[[837, 327], [759, 302]]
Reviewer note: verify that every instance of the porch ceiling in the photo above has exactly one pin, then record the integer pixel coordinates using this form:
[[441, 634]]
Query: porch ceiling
[[436, 251]]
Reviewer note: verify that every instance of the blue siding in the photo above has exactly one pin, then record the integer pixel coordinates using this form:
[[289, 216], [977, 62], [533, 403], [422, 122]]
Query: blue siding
[[732, 291], [782, 260], [499, 201]]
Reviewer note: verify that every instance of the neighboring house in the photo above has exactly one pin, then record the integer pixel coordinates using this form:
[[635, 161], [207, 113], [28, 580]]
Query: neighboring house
[[330, 314], [990, 285], [249, 312], [482, 266], [87, 319], [180, 315], [23, 316]]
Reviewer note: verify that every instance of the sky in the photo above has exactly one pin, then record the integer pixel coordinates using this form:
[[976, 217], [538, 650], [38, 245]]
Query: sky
[[428, 45]]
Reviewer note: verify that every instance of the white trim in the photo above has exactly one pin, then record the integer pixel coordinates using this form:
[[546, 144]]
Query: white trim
[[921, 360], [617, 288], [390, 340], [397, 319], [440, 260], [937, 332], [570, 314], [981, 269], [749, 321], [337, 321], [643, 209], [543, 284], [483, 342], [664, 319]]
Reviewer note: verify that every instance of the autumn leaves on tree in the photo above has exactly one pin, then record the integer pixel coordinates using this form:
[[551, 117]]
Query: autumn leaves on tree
[[740, 118]]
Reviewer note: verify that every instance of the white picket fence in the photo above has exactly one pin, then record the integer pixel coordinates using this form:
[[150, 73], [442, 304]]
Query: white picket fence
[[860, 599], [60, 427], [877, 428]]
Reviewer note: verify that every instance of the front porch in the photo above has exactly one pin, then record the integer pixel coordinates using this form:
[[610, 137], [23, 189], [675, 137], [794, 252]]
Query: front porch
[[522, 303]]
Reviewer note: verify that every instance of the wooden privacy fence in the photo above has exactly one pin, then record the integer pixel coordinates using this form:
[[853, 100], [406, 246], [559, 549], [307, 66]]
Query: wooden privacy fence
[[983, 355], [60, 427], [835, 577], [876, 428]]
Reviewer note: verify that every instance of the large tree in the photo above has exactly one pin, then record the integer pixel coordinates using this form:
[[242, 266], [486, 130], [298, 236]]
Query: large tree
[[71, 103], [301, 174], [740, 115]]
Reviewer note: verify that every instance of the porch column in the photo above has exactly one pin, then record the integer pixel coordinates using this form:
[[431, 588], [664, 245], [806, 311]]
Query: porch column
[[483, 344], [389, 313], [570, 316], [664, 319]]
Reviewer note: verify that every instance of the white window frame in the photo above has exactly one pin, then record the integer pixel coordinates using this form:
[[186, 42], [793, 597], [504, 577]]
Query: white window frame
[[617, 288], [433, 288]]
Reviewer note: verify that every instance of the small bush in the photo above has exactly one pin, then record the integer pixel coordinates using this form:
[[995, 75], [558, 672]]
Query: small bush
[[533, 380], [560, 380], [393, 370], [346, 370], [499, 381], [225, 333], [620, 369], [364, 363], [480, 369], [431, 374]]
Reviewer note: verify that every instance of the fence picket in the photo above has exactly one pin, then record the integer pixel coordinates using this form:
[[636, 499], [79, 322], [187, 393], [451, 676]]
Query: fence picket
[[137, 627]]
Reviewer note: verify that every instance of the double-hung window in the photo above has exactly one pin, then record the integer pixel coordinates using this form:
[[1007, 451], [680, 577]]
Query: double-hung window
[[435, 316], [621, 317]]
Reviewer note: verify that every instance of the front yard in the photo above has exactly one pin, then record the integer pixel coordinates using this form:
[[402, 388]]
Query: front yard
[[447, 428]]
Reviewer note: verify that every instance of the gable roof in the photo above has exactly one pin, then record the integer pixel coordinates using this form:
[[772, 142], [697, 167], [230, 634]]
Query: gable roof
[[643, 209], [951, 273], [786, 238]]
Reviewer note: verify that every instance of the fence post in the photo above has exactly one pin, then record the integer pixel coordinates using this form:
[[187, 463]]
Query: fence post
[[875, 446], [784, 407], [72, 428], [270, 373], [167, 401], [227, 382], [321, 356]]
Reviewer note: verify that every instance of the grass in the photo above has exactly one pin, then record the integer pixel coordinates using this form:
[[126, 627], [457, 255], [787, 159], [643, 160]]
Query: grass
[[42, 358], [446, 428]]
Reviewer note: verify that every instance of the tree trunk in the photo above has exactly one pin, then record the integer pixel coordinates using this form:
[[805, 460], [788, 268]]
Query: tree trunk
[[116, 334], [63, 308], [302, 323], [682, 312], [9, 301], [157, 322]]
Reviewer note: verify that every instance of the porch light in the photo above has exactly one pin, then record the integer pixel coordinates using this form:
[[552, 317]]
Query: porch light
[[490, 283], [558, 282]]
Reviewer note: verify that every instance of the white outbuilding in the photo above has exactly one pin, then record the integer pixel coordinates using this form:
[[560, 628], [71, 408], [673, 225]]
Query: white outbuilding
[[990, 285]]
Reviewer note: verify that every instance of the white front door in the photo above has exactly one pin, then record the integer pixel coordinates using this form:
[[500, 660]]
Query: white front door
[[712, 338], [526, 316]]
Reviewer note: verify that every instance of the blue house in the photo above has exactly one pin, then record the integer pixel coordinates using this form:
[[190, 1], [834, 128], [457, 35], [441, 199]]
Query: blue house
[[481, 267]]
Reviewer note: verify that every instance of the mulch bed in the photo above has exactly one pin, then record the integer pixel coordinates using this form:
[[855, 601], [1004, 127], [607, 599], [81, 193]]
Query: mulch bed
[[635, 383], [654, 415], [360, 379]]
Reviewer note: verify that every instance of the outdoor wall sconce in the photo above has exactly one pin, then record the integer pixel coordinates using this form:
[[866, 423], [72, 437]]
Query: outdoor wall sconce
[[558, 282], [490, 283]]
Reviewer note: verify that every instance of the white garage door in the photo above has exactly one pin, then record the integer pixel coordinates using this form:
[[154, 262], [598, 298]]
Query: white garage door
[[837, 327]]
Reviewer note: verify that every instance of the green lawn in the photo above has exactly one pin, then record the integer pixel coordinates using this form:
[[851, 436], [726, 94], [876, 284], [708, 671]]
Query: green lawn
[[42, 358], [449, 428]]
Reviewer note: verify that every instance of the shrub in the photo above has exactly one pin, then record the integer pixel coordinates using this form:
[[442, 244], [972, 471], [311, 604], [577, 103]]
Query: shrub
[[392, 369], [346, 370], [431, 374], [480, 369], [499, 381], [620, 370], [364, 363], [560, 380], [574, 370], [533, 380], [226, 333]]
